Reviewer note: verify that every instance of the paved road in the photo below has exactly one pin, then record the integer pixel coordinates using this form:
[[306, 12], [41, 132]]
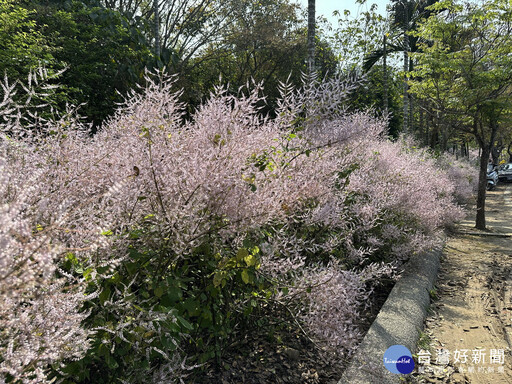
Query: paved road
[[468, 335]]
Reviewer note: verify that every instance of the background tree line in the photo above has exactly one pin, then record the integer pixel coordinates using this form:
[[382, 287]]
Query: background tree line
[[456, 75], [105, 46]]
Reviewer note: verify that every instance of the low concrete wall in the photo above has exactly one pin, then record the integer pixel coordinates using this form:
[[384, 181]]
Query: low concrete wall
[[399, 321]]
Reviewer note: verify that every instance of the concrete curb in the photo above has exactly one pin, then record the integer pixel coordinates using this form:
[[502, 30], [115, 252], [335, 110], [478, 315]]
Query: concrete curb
[[399, 321]]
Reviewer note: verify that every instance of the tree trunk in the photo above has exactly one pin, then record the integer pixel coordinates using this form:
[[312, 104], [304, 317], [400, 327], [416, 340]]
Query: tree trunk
[[482, 188], [311, 36], [486, 148], [444, 137], [495, 154], [429, 122], [406, 68], [410, 118], [434, 136], [385, 74], [156, 29], [423, 127]]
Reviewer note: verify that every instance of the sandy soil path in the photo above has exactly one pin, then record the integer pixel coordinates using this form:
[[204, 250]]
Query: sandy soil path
[[468, 334]]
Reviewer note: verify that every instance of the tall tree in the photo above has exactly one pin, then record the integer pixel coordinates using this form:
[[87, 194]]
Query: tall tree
[[402, 9], [265, 41], [464, 72], [354, 40], [22, 46], [357, 36], [404, 16], [104, 54], [180, 28], [385, 73]]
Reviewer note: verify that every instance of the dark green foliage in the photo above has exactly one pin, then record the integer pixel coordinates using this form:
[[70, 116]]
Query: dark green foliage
[[266, 42], [371, 94], [104, 52], [22, 46], [193, 305]]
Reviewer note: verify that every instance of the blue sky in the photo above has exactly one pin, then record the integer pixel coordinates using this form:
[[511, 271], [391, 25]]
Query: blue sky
[[326, 7]]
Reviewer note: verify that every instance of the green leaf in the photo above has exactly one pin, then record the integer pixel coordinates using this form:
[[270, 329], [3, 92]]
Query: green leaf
[[71, 257], [139, 308], [104, 295], [217, 278], [111, 361], [245, 276], [241, 254], [184, 323], [88, 274], [159, 292], [192, 306], [250, 260], [132, 268]]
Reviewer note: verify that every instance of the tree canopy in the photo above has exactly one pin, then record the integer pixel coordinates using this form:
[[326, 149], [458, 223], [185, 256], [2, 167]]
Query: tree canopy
[[464, 71]]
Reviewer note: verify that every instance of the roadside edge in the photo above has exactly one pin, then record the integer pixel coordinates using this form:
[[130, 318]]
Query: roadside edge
[[399, 321]]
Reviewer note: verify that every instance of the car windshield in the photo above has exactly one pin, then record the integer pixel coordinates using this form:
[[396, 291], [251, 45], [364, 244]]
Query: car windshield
[[507, 167]]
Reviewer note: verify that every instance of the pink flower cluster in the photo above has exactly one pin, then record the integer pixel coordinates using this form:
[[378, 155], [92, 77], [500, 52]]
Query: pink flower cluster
[[39, 315], [463, 174]]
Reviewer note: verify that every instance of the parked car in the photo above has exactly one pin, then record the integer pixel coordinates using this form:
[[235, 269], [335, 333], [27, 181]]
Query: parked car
[[505, 172], [492, 177]]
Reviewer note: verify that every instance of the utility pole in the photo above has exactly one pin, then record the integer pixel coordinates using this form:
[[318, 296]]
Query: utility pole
[[156, 28], [311, 36], [385, 74], [406, 65]]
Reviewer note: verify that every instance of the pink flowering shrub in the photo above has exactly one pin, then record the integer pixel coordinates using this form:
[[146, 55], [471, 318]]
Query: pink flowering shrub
[[403, 198], [335, 300], [463, 174], [39, 312], [387, 201], [162, 237]]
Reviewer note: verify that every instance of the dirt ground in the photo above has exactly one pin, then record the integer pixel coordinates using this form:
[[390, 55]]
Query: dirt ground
[[468, 333]]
